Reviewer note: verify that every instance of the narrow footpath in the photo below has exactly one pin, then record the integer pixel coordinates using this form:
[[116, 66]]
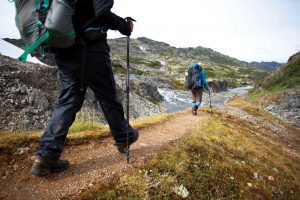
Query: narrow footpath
[[92, 163]]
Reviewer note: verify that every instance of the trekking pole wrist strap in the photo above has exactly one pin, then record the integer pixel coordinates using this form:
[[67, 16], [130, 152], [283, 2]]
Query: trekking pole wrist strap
[[30, 48]]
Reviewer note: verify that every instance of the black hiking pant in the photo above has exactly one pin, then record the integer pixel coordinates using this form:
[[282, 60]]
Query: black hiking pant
[[99, 77]]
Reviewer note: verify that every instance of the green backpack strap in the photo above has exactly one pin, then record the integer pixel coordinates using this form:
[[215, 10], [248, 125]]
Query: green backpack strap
[[46, 4], [34, 45], [38, 42]]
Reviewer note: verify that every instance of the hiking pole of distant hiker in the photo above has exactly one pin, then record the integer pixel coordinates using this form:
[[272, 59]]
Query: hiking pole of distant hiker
[[210, 103], [127, 91]]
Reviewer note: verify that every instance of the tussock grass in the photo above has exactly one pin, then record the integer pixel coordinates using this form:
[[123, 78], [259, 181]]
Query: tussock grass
[[219, 159], [250, 108]]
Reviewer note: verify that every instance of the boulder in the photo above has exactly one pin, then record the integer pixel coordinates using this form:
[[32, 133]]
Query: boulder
[[218, 85]]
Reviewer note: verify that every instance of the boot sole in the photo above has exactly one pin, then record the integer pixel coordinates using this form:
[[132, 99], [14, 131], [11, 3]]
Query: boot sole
[[41, 173], [59, 170], [47, 171]]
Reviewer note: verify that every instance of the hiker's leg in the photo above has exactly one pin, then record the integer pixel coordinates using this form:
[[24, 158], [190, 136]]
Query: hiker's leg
[[200, 95], [198, 98], [100, 79], [63, 115], [193, 91]]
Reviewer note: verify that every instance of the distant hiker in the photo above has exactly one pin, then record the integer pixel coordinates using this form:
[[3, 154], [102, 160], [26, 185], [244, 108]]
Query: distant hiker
[[196, 82], [85, 64]]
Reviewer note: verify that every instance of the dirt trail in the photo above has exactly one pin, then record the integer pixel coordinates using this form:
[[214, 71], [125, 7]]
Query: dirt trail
[[93, 162]]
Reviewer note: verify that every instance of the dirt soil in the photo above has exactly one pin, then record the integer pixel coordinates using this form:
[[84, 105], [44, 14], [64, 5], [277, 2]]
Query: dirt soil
[[93, 163]]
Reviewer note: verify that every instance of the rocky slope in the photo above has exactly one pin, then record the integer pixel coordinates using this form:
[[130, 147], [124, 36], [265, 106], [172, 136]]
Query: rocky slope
[[29, 92], [160, 59], [285, 105], [281, 91]]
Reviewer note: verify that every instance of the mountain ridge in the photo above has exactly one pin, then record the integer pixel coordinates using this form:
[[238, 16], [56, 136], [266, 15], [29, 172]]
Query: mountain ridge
[[153, 58], [268, 66]]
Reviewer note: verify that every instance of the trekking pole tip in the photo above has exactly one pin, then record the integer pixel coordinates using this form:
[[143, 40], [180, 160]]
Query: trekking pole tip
[[127, 156]]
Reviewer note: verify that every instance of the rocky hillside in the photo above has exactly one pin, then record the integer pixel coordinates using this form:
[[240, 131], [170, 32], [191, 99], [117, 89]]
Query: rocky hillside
[[287, 76], [280, 92], [29, 92], [159, 59]]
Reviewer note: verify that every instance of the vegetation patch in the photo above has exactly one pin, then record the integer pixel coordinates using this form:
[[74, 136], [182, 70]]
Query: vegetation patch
[[249, 108], [219, 159], [176, 84], [285, 77], [118, 68], [80, 132], [148, 63]]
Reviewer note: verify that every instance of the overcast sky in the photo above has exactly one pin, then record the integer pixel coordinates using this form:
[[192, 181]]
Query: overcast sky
[[249, 30]]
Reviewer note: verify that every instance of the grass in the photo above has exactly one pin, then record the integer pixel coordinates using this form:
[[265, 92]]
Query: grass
[[148, 63], [257, 93], [79, 133], [285, 77], [219, 159], [249, 108], [288, 75]]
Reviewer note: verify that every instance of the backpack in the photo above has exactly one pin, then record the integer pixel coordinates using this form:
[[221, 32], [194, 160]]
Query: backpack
[[43, 24], [193, 78]]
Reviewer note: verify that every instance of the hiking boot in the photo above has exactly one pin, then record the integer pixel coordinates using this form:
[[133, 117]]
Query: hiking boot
[[122, 147], [194, 110], [43, 166]]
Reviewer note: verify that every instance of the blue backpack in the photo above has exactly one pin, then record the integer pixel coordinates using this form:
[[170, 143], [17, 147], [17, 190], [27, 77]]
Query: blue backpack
[[193, 78]]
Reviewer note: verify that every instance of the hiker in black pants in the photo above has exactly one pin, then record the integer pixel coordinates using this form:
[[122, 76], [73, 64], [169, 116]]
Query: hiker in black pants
[[86, 64]]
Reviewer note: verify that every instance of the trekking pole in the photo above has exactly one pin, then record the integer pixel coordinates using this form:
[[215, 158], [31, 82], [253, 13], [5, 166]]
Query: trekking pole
[[210, 106], [127, 90]]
